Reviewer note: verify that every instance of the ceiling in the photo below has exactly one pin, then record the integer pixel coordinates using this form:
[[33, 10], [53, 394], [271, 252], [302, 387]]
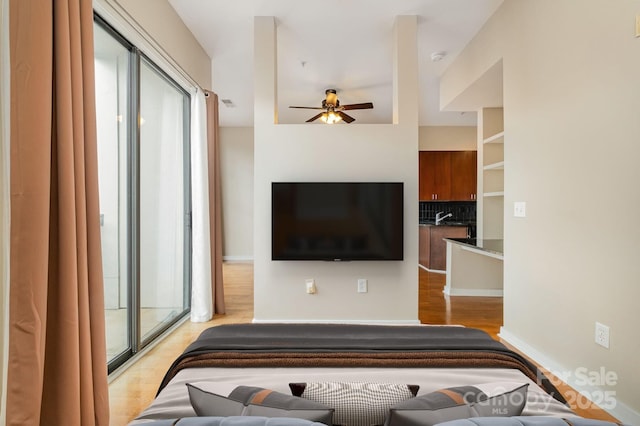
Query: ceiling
[[341, 44]]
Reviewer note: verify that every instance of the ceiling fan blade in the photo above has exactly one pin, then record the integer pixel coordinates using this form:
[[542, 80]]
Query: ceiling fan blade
[[346, 118], [365, 105], [315, 117], [301, 107]]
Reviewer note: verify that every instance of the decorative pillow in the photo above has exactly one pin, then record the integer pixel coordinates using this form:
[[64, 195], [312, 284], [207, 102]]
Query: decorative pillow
[[255, 401], [356, 403], [490, 399]]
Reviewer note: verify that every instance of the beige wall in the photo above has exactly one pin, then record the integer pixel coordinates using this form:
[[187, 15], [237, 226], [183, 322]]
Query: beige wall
[[236, 152], [447, 138], [237, 178], [571, 102], [161, 22], [318, 152]]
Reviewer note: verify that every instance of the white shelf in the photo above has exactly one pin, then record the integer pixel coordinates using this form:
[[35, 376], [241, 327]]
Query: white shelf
[[497, 138], [494, 194], [495, 166]]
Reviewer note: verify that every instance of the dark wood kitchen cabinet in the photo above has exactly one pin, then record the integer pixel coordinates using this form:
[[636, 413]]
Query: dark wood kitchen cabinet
[[424, 245], [447, 175], [435, 175], [432, 249], [464, 176]]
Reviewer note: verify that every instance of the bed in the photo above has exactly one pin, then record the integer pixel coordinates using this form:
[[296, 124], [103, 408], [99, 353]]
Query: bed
[[275, 356]]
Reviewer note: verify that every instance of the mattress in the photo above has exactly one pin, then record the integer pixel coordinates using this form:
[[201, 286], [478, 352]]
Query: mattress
[[173, 400], [274, 355]]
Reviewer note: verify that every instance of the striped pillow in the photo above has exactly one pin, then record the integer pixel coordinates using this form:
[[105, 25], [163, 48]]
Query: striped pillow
[[356, 403]]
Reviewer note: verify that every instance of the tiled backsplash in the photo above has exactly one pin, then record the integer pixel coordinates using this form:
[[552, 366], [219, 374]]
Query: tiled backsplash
[[463, 211]]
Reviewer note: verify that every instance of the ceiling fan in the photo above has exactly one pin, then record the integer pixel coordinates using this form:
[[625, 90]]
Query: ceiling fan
[[332, 111]]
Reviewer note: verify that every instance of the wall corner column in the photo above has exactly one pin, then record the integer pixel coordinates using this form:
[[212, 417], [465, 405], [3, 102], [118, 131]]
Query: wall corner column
[[265, 73], [405, 70]]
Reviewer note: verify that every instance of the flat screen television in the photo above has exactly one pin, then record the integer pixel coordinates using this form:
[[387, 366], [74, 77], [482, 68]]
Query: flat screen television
[[337, 221]]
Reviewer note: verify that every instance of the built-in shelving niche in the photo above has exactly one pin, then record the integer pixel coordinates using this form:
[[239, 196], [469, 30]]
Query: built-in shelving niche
[[491, 145]]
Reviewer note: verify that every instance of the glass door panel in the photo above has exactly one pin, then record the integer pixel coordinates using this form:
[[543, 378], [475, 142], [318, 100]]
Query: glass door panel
[[162, 200], [112, 62]]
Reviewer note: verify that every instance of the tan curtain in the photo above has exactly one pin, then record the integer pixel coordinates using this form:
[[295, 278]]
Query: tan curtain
[[215, 202], [57, 358]]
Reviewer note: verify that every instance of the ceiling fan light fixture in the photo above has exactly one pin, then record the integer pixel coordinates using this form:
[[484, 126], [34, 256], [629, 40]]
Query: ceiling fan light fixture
[[333, 112], [330, 117]]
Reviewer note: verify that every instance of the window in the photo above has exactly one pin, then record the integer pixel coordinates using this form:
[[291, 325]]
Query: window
[[143, 161]]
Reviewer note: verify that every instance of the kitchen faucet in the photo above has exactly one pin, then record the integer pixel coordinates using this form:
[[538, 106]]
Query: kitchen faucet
[[441, 218]]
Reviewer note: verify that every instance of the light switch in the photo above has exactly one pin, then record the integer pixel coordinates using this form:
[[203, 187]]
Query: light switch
[[637, 25], [519, 209]]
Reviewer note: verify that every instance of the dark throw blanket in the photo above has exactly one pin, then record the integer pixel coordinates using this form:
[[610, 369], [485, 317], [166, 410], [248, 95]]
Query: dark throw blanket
[[351, 345]]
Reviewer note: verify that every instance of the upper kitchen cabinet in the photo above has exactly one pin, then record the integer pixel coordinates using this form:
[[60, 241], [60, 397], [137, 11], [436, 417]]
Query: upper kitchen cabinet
[[464, 175], [447, 175], [435, 175]]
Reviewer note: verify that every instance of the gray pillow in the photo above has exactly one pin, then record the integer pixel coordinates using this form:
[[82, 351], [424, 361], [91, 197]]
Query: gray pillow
[[255, 401], [356, 403], [235, 421], [489, 399]]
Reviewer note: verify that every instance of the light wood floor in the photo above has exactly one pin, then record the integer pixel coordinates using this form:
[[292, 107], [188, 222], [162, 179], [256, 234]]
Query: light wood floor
[[133, 390]]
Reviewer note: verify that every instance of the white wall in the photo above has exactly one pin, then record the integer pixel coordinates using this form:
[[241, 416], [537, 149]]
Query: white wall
[[236, 164], [334, 153], [447, 138], [571, 102]]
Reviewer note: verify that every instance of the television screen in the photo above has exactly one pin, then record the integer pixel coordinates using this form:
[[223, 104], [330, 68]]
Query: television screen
[[337, 221]]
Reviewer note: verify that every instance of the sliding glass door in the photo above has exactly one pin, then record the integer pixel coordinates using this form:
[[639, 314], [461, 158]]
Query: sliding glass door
[[143, 152]]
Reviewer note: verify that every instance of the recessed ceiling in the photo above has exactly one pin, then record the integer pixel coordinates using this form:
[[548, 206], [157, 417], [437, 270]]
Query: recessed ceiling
[[340, 44]]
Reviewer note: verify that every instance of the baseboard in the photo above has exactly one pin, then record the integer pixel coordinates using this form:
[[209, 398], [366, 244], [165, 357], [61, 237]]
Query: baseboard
[[337, 321], [621, 411], [239, 259], [477, 292]]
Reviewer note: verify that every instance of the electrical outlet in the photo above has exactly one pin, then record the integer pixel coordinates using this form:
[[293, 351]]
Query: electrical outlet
[[602, 335], [311, 286], [362, 285]]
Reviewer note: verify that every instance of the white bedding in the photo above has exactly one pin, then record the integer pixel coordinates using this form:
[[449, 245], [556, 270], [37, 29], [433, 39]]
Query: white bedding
[[173, 401]]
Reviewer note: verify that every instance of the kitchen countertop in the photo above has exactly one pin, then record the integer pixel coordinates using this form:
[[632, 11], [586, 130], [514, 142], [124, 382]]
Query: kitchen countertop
[[445, 223], [489, 246]]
